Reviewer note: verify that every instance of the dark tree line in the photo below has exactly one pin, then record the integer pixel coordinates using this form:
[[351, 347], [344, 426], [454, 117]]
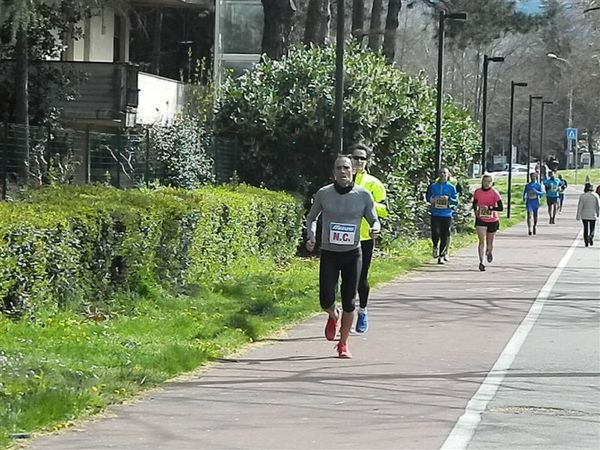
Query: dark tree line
[[279, 20]]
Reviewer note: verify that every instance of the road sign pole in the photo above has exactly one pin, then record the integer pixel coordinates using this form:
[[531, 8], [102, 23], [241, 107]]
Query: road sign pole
[[572, 141]]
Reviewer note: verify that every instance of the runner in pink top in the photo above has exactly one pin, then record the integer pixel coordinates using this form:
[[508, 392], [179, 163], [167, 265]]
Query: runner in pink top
[[487, 202]]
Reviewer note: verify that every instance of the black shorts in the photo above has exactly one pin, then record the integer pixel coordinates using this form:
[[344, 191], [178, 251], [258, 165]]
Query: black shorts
[[492, 227], [551, 200]]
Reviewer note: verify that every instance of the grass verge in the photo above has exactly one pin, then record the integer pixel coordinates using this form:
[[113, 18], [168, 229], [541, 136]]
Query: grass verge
[[593, 174], [59, 368]]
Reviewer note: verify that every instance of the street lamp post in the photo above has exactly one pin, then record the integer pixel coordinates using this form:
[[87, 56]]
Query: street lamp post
[[440, 84], [531, 99], [338, 124], [486, 61], [544, 103], [570, 125], [513, 85]]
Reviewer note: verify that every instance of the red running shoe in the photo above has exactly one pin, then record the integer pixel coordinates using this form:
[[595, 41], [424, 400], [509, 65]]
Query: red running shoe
[[343, 351], [330, 329]]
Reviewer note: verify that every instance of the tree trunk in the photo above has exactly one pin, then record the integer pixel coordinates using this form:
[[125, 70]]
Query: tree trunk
[[358, 20], [318, 16], [391, 30], [156, 37], [375, 29], [22, 94], [278, 26]]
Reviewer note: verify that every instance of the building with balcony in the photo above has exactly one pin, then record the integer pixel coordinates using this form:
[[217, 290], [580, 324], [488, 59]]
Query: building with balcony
[[114, 90]]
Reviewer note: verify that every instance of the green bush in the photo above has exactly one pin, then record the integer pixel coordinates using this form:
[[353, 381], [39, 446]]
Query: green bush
[[78, 246], [184, 149], [282, 112]]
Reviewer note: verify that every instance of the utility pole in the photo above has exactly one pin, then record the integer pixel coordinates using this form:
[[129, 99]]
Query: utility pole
[[486, 61], [338, 125]]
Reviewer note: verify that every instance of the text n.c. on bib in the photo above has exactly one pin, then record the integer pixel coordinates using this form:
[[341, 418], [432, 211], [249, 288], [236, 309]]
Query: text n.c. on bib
[[342, 233]]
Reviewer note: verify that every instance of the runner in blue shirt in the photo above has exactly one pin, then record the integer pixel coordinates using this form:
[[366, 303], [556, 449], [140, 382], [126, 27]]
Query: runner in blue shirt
[[552, 186], [531, 196], [442, 196]]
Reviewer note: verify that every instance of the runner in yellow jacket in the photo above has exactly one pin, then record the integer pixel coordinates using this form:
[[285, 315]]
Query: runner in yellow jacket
[[360, 158]]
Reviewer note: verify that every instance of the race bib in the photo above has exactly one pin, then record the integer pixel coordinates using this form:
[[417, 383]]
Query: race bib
[[532, 195], [552, 188], [485, 213], [440, 203], [342, 234]]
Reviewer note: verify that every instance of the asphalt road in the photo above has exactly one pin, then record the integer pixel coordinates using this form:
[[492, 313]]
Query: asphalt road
[[454, 358]]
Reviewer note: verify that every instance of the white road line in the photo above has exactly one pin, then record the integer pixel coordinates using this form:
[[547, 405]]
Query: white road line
[[464, 429]]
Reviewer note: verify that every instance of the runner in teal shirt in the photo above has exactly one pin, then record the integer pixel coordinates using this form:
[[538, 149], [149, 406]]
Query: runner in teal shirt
[[552, 186]]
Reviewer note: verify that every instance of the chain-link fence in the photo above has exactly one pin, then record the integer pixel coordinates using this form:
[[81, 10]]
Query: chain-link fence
[[225, 158], [124, 159]]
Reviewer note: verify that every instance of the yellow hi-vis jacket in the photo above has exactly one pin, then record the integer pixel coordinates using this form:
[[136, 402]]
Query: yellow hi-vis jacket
[[377, 190]]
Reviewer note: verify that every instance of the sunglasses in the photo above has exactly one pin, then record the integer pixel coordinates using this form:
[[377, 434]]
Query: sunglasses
[[359, 158]]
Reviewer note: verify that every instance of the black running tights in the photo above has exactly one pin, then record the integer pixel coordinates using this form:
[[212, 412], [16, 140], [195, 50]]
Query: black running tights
[[332, 264], [440, 233]]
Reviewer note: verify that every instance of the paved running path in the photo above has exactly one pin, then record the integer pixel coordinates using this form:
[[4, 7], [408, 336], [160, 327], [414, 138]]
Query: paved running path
[[434, 337]]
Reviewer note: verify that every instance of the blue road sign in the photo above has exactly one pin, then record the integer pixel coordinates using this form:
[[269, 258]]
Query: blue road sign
[[572, 134]]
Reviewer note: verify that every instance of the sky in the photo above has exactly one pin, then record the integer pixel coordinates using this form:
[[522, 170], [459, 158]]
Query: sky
[[528, 6]]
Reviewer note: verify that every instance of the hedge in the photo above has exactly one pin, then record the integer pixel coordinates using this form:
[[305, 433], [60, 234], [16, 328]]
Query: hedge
[[78, 246]]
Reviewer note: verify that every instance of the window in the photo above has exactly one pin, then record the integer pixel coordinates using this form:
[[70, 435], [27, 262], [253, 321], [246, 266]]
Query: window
[[117, 56], [239, 30]]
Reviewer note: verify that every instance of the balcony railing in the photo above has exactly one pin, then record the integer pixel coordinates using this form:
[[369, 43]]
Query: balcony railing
[[104, 92], [107, 94]]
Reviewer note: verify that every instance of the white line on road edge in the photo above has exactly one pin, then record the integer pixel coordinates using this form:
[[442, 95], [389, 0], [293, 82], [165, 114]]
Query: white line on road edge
[[464, 429]]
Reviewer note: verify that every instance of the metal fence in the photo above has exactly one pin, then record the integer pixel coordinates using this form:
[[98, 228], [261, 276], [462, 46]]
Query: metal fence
[[124, 160]]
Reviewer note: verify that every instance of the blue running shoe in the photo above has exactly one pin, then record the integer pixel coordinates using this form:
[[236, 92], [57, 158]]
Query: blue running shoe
[[362, 323]]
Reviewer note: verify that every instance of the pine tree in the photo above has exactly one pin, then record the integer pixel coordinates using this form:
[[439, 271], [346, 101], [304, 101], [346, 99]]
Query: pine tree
[[318, 16], [358, 19], [391, 28], [376, 25], [279, 16]]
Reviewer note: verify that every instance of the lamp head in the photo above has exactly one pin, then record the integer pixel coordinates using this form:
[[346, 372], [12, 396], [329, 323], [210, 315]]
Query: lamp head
[[496, 59], [457, 16]]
